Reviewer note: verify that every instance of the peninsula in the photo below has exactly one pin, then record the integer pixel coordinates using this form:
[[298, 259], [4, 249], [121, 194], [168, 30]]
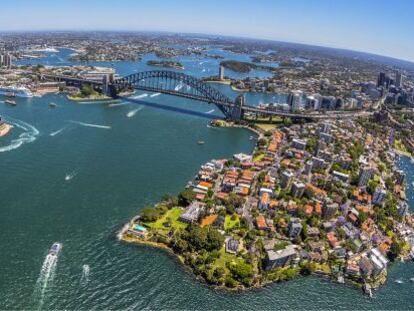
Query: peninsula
[[316, 198], [243, 67]]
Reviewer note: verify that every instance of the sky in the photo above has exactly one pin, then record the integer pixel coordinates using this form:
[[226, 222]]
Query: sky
[[382, 27]]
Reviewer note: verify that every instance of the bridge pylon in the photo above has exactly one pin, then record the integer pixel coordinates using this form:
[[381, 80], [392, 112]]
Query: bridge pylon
[[237, 109]]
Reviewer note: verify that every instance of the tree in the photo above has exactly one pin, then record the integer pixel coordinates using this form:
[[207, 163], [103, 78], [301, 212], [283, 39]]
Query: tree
[[185, 197], [199, 239], [149, 214], [395, 250], [170, 200], [87, 90], [242, 272]]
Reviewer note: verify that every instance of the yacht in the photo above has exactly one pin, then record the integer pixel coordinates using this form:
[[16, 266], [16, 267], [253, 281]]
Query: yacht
[[55, 249], [15, 91]]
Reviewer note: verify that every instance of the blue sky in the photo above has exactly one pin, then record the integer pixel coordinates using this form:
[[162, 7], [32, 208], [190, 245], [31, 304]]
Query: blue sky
[[380, 26]]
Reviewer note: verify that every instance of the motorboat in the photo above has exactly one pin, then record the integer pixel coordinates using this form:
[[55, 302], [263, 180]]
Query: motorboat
[[52, 105], [10, 102], [55, 249]]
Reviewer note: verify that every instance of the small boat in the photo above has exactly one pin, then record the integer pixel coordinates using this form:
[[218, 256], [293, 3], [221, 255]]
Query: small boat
[[412, 279], [201, 142], [412, 183], [55, 249], [52, 105], [399, 281], [10, 102], [412, 160]]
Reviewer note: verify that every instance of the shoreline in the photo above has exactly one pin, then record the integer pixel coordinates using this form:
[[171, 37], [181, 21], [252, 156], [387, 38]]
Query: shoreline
[[125, 238], [80, 100], [225, 82]]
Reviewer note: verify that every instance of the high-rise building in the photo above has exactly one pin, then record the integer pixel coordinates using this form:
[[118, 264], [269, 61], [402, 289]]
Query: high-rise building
[[295, 100], [329, 209], [221, 72], [6, 60], [398, 79], [286, 179], [381, 79], [326, 128], [379, 196], [295, 228], [312, 103], [298, 189], [365, 175]]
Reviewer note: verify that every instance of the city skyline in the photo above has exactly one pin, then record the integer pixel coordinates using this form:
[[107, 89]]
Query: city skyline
[[378, 28]]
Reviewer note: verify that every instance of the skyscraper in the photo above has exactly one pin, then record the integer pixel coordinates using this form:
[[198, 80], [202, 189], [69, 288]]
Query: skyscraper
[[398, 79], [381, 79], [295, 100], [6, 60]]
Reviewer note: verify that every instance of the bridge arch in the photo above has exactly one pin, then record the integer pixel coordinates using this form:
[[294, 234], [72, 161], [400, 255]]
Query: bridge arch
[[165, 81]]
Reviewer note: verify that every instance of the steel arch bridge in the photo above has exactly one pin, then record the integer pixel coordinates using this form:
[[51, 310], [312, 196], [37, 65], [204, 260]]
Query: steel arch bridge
[[178, 84]]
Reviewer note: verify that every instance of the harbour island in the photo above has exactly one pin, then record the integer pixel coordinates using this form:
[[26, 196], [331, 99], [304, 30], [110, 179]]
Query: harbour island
[[314, 198]]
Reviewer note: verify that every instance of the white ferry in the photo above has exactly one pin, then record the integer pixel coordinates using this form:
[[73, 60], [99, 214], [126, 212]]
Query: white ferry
[[15, 91]]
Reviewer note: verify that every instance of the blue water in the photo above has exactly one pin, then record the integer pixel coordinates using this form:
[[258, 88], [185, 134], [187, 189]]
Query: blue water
[[101, 166]]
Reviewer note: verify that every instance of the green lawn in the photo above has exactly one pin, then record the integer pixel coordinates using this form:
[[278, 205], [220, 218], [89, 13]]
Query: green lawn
[[224, 258], [172, 215], [267, 127], [229, 224], [259, 157]]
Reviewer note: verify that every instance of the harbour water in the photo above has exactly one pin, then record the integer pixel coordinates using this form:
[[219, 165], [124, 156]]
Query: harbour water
[[77, 173]]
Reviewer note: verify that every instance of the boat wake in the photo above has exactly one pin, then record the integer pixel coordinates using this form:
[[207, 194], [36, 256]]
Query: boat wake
[[29, 134], [210, 111], [179, 87], [117, 104], [140, 96], [85, 274], [106, 127], [47, 274], [132, 113], [71, 175], [57, 132], [155, 94]]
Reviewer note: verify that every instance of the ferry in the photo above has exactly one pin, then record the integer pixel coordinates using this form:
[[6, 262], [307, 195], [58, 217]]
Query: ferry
[[55, 249], [14, 91]]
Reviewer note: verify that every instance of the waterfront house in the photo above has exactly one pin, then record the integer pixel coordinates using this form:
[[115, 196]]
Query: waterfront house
[[192, 212], [280, 258]]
